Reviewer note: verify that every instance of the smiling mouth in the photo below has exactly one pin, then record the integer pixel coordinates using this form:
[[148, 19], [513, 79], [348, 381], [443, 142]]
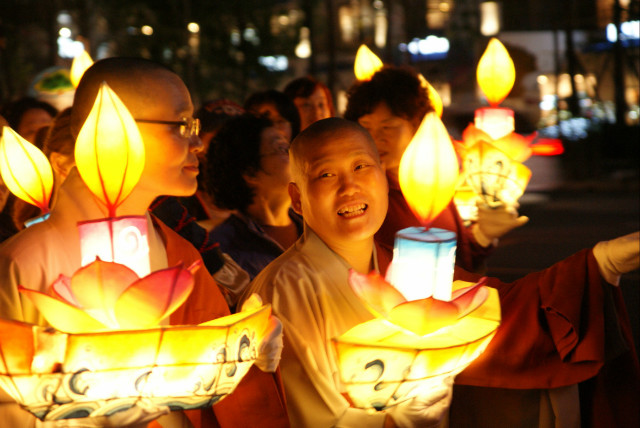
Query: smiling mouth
[[353, 210]]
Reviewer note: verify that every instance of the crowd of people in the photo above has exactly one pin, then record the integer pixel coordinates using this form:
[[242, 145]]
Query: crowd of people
[[281, 198]]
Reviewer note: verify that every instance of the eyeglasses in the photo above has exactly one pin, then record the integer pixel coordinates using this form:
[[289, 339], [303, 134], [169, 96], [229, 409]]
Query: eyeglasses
[[189, 126], [278, 150]]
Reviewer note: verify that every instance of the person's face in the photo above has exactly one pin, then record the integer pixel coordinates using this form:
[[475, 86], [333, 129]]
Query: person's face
[[32, 120], [341, 189], [271, 112], [171, 165], [313, 108], [274, 174], [391, 133]]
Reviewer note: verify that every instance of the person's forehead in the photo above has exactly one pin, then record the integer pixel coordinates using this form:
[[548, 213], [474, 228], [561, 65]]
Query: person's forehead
[[338, 146], [167, 94]]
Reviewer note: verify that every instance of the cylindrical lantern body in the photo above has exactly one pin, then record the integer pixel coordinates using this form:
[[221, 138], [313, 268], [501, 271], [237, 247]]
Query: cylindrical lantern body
[[121, 240], [423, 262], [495, 121]]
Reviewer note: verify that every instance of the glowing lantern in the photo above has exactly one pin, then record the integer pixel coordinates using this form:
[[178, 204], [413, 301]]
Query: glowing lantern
[[383, 361], [25, 170], [109, 151], [57, 375], [496, 75], [494, 175], [366, 63], [79, 65], [434, 97], [110, 156]]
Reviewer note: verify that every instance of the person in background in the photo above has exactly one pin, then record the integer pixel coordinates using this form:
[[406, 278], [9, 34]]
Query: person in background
[[27, 115], [312, 99], [391, 107], [248, 172], [560, 326], [36, 256], [277, 107]]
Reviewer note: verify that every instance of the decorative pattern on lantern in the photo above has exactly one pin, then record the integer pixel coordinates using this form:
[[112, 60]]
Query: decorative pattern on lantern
[[58, 375], [426, 326], [108, 350]]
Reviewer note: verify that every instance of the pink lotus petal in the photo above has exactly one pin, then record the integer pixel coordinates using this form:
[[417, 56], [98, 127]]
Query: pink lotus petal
[[379, 296], [471, 135], [61, 289], [424, 316], [147, 301], [98, 285], [468, 299], [62, 316]]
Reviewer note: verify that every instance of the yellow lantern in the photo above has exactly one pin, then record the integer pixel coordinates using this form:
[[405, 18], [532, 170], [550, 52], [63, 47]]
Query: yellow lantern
[[382, 361], [366, 63], [109, 151], [79, 65], [25, 170], [434, 97], [429, 170], [496, 73]]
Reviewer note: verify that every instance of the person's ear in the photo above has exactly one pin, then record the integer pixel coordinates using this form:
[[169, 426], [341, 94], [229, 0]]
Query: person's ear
[[61, 164], [294, 194]]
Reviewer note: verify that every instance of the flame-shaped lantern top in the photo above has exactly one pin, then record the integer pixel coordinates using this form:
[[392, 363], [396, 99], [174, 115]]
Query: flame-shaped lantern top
[[109, 151], [496, 73], [79, 65], [434, 97], [429, 170], [366, 63], [25, 170]]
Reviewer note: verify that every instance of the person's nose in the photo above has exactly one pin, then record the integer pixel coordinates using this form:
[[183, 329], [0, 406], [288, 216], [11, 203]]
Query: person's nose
[[195, 144], [348, 185]]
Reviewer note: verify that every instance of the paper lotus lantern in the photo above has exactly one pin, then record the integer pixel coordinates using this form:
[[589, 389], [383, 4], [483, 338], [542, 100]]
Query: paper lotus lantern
[[25, 170], [429, 170], [383, 361], [57, 375], [494, 176], [366, 63], [496, 73], [434, 97], [78, 66], [109, 151]]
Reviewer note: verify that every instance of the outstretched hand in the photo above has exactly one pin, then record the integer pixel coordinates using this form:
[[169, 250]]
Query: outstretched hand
[[494, 223], [618, 256]]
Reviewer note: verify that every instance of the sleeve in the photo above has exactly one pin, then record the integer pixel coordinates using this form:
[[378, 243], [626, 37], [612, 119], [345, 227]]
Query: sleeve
[[308, 364], [552, 332]]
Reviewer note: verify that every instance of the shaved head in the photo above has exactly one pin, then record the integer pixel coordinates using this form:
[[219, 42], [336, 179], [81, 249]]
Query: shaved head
[[135, 80], [318, 134]]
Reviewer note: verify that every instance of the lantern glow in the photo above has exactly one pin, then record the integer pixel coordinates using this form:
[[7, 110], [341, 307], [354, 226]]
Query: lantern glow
[[434, 96], [496, 122], [79, 65], [109, 151], [25, 170], [366, 63], [496, 72], [382, 361], [429, 170]]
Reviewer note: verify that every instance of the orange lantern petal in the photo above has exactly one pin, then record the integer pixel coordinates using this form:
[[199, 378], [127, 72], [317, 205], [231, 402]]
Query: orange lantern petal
[[62, 316], [424, 316], [496, 73], [98, 286], [61, 290], [473, 134], [379, 296], [467, 299], [366, 63], [152, 298], [434, 96], [109, 151], [429, 170], [25, 169], [515, 146], [79, 66]]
